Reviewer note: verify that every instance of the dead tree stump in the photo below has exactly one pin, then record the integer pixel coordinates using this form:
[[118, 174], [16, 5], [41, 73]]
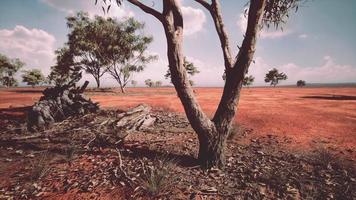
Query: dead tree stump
[[59, 103]]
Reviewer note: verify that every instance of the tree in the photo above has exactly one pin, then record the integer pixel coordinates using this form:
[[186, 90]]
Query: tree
[[133, 83], [248, 80], [87, 40], [8, 69], [149, 82], [301, 83], [274, 77], [212, 133], [33, 77], [126, 51], [190, 69], [65, 69], [158, 84]]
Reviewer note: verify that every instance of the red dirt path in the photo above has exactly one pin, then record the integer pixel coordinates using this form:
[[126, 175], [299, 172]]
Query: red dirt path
[[309, 116]]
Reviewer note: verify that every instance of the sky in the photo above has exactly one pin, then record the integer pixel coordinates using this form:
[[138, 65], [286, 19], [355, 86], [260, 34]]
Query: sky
[[317, 43]]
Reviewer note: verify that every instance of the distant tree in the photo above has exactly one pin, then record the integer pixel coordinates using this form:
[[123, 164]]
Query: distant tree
[[8, 69], [149, 82], [158, 84], [274, 77], [189, 67], [248, 80], [301, 83], [126, 51], [65, 69], [33, 77], [133, 83]]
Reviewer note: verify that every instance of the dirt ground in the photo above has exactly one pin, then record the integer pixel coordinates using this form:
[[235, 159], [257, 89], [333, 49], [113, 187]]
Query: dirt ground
[[308, 116], [291, 143]]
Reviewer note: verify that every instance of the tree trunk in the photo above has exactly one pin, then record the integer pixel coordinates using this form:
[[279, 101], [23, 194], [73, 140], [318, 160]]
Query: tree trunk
[[212, 134], [122, 89], [97, 80], [212, 149]]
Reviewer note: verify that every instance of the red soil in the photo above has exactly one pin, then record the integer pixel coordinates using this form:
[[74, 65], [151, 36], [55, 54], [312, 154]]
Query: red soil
[[308, 116]]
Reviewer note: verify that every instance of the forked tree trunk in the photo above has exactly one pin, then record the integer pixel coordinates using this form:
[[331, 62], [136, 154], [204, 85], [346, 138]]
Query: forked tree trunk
[[212, 134]]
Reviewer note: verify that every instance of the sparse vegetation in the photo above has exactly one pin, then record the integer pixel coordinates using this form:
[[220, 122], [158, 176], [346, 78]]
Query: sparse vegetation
[[301, 83], [158, 177], [8, 69], [33, 77], [40, 167], [274, 77]]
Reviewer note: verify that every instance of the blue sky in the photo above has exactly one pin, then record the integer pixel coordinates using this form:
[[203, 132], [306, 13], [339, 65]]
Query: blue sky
[[318, 42]]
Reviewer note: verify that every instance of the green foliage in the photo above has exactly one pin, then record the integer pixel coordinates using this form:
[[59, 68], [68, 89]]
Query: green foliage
[[65, 69], [8, 69], [189, 67], [126, 53], [301, 83], [149, 82], [87, 40], [248, 80], [103, 45], [276, 12], [33, 77], [273, 76]]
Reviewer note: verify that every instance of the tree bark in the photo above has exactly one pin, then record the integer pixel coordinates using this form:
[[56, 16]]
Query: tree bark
[[212, 134]]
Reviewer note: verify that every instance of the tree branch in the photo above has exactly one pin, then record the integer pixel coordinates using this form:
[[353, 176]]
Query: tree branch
[[205, 4], [215, 12], [147, 9]]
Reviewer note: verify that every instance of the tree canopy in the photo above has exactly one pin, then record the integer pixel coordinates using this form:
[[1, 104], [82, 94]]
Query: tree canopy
[[126, 52], [8, 69], [65, 69], [301, 83], [190, 69], [248, 80], [274, 76], [33, 77]]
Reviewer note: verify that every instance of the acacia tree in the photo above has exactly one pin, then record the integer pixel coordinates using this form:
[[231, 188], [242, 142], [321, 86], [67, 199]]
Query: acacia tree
[[8, 69], [248, 80], [126, 51], [87, 41], [212, 133], [149, 83], [33, 77], [301, 83], [189, 68], [65, 69], [274, 77]]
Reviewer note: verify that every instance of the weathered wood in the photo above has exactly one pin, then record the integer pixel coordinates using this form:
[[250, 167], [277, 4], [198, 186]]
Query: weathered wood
[[59, 103], [135, 119]]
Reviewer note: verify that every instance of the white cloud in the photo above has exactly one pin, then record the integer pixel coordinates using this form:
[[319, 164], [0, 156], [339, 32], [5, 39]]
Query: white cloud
[[303, 36], [194, 20], [327, 72], [35, 47], [72, 6], [242, 24]]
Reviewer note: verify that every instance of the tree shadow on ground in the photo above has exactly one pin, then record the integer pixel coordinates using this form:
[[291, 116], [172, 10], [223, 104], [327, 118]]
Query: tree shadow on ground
[[178, 159], [27, 91], [331, 97], [17, 113]]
